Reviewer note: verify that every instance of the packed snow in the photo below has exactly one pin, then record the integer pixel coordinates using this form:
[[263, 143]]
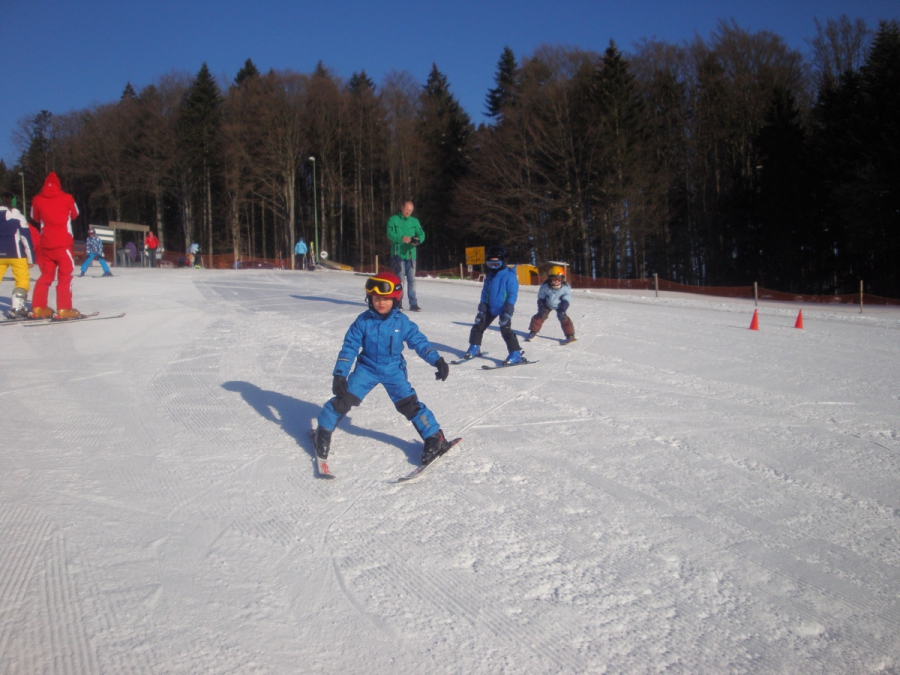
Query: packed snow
[[673, 492]]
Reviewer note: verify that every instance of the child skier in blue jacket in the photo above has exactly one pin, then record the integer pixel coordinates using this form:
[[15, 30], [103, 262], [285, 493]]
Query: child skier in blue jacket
[[93, 246], [498, 300], [554, 294], [375, 343]]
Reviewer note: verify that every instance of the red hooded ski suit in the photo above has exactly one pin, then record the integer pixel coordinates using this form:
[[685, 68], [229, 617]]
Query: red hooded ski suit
[[54, 211]]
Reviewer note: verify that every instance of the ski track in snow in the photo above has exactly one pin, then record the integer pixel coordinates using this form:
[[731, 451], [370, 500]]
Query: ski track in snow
[[671, 492]]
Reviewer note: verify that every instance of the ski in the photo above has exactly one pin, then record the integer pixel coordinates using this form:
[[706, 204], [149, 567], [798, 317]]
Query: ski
[[93, 316], [464, 360], [9, 322], [508, 365], [417, 472], [322, 470]]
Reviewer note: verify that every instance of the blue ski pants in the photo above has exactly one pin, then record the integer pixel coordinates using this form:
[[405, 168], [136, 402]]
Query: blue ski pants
[[89, 259], [362, 381]]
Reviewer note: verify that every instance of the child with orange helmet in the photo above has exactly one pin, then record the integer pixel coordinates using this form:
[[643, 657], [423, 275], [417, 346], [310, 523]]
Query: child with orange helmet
[[554, 294], [375, 342]]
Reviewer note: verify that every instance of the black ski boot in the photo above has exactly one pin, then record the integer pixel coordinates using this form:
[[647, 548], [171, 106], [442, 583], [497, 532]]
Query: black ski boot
[[435, 446], [322, 441]]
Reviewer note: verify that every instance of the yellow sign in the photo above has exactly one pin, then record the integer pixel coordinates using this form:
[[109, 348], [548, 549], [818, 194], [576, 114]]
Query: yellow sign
[[475, 255]]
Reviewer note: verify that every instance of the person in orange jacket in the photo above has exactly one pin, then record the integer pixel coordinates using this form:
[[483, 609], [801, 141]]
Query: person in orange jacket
[[54, 210]]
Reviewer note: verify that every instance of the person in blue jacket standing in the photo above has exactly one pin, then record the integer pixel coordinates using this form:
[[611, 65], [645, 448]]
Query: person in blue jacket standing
[[375, 342], [300, 250], [93, 246], [498, 300]]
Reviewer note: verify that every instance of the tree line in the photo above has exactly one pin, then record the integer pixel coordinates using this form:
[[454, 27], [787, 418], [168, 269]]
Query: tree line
[[720, 161]]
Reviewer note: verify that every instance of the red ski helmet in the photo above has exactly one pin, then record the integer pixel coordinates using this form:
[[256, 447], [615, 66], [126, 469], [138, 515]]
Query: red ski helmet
[[385, 284]]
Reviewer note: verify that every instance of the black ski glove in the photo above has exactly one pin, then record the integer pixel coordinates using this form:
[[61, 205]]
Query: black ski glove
[[506, 314], [482, 308], [339, 386], [443, 370]]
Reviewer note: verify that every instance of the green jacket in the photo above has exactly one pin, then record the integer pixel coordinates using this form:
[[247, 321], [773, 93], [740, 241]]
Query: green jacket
[[399, 227]]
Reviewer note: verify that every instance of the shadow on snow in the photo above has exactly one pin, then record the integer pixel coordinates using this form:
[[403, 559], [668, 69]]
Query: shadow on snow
[[294, 417]]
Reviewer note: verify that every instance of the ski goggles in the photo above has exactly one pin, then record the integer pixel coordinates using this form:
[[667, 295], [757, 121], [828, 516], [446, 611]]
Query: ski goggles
[[381, 286], [494, 264]]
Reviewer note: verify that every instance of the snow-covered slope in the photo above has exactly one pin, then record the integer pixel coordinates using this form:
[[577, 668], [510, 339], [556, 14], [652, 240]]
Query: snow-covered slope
[[671, 492]]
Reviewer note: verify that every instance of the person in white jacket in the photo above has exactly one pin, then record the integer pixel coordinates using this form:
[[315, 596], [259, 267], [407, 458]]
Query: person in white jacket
[[554, 294]]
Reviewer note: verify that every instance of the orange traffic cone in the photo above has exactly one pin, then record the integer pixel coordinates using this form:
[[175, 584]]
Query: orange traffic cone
[[799, 323], [754, 323]]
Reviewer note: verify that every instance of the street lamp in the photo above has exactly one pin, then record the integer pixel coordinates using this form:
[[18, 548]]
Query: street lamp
[[315, 211], [24, 205]]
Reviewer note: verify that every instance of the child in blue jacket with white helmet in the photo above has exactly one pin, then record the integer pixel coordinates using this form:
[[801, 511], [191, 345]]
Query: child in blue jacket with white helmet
[[498, 300], [375, 343]]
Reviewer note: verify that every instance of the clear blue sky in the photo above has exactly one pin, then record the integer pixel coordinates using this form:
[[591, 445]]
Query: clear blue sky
[[63, 56]]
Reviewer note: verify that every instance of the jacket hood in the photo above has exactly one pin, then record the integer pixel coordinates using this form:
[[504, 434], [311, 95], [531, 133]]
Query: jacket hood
[[52, 186]]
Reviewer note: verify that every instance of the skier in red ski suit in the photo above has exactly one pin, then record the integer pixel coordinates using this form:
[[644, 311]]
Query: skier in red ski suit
[[54, 211]]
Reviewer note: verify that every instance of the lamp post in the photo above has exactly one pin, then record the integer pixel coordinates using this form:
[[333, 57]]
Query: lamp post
[[24, 205], [315, 211]]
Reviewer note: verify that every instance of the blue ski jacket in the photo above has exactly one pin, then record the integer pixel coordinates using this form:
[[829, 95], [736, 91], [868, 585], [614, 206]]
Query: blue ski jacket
[[500, 288], [94, 245], [376, 342]]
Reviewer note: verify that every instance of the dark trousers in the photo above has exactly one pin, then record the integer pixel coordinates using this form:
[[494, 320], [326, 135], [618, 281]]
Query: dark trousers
[[477, 333]]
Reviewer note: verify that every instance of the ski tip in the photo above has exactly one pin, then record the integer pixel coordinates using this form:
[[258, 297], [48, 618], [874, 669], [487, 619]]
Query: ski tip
[[322, 470]]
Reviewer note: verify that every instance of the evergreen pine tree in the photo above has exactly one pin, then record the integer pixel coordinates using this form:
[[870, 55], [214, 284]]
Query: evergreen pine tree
[[248, 71], [506, 79], [360, 82], [623, 173], [785, 239], [199, 129], [445, 129], [37, 160]]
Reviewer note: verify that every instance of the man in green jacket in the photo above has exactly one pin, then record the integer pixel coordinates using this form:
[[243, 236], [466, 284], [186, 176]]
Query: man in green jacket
[[405, 234]]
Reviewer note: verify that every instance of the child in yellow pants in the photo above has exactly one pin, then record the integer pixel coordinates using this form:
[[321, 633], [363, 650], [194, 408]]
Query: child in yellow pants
[[17, 253]]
